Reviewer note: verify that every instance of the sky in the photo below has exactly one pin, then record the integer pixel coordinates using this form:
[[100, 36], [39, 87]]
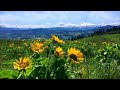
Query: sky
[[54, 18]]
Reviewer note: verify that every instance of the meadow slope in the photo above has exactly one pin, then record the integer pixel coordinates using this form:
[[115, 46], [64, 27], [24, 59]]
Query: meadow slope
[[101, 55]]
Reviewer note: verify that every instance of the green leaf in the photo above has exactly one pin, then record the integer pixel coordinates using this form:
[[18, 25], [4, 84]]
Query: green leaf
[[6, 74], [28, 72], [39, 59], [44, 62]]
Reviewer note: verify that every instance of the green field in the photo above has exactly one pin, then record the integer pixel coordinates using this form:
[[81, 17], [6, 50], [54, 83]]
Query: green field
[[111, 38], [101, 55]]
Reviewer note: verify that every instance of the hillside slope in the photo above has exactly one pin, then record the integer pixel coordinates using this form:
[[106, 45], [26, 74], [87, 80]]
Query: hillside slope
[[111, 38]]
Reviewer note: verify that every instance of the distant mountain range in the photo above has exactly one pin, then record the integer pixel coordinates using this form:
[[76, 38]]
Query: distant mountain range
[[64, 32]]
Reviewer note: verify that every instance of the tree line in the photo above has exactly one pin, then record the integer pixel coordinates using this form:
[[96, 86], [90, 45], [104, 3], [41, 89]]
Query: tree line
[[114, 29]]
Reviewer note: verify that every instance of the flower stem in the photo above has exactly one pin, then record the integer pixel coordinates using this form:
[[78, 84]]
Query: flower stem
[[19, 76], [23, 74]]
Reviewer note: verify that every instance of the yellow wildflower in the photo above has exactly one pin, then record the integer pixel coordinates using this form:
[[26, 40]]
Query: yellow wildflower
[[37, 47], [59, 51], [75, 55], [22, 64], [56, 39]]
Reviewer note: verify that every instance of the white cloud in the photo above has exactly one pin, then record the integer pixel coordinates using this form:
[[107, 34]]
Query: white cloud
[[53, 17], [37, 16], [25, 17], [24, 26]]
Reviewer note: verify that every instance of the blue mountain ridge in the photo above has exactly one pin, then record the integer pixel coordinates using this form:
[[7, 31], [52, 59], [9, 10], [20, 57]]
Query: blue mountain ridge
[[62, 32]]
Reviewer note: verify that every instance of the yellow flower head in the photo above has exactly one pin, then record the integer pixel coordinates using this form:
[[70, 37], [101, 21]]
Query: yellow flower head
[[60, 41], [22, 64], [37, 47], [59, 51], [56, 39], [75, 55]]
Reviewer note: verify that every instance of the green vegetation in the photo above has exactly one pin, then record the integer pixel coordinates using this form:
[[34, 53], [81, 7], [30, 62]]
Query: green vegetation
[[110, 38], [101, 55]]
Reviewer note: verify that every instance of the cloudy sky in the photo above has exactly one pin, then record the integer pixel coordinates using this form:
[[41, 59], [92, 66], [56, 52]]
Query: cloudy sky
[[51, 18]]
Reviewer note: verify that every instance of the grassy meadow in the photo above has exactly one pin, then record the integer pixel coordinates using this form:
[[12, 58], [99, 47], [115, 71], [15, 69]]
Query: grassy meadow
[[95, 57]]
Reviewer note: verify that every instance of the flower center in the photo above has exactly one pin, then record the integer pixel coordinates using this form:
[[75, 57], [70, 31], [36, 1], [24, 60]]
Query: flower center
[[23, 65], [72, 56]]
